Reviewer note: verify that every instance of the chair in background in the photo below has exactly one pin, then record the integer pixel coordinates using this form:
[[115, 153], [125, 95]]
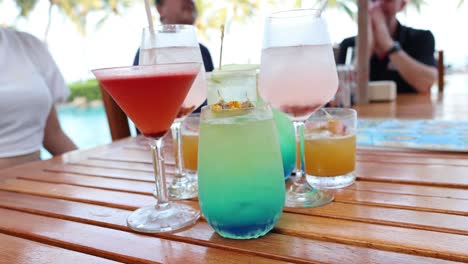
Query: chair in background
[[440, 70]]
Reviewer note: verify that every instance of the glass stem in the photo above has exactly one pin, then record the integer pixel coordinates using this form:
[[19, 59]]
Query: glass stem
[[177, 139], [299, 130], [159, 173]]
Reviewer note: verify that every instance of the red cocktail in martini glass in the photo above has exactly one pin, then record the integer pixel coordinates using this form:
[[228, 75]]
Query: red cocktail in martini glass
[[151, 96]]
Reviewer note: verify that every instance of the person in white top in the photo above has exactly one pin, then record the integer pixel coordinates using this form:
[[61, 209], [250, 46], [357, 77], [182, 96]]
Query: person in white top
[[30, 85]]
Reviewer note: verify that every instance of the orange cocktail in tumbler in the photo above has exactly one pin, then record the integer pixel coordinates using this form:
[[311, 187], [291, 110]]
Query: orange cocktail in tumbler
[[151, 96], [190, 154], [330, 156], [330, 148], [189, 133]]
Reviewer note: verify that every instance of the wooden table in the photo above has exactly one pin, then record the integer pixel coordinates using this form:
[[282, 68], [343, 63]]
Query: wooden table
[[452, 104], [406, 207]]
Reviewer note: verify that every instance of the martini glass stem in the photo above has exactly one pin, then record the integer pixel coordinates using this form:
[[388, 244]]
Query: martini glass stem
[[159, 173]]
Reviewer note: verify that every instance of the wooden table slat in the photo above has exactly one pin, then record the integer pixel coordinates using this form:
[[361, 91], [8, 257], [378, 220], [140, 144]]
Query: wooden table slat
[[381, 237], [417, 190], [104, 172], [435, 175], [405, 240], [129, 155], [411, 156], [22, 251], [382, 174], [376, 151], [403, 201], [272, 244], [431, 204], [455, 224], [371, 214], [92, 181], [131, 200], [114, 244], [132, 166], [117, 199]]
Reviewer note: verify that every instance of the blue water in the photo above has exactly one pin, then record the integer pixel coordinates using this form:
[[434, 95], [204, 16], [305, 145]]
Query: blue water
[[417, 133], [86, 126]]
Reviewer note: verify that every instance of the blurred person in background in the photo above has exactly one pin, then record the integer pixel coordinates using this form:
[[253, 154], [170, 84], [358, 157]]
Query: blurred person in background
[[180, 12], [30, 85], [399, 53]]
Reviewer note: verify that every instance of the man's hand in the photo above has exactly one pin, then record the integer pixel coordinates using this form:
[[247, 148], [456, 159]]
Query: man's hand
[[417, 74], [382, 39]]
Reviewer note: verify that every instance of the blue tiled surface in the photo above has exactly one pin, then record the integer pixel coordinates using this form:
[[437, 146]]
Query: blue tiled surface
[[418, 134]]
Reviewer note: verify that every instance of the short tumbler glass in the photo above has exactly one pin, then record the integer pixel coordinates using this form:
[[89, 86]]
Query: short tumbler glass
[[190, 128], [330, 148]]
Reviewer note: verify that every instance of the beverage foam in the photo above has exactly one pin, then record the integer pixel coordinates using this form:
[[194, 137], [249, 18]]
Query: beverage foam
[[325, 134]]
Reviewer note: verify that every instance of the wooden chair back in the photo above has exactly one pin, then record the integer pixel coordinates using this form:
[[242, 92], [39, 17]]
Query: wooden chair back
[[117, 119], [440, 70]]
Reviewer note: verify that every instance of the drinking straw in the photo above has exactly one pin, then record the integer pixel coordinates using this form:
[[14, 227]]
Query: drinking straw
[[328, 115], [221, 49], [322, 5], [149, 16]]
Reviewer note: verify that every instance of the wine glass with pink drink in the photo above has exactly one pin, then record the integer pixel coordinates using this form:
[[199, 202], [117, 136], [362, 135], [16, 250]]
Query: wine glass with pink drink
[[298, 76], [151, 96]]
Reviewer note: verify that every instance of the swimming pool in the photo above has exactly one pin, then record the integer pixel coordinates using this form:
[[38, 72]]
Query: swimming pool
[[86, 126]]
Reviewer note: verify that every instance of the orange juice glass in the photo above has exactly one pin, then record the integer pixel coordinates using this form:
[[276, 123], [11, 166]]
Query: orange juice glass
[[190, 143], [330, 148]]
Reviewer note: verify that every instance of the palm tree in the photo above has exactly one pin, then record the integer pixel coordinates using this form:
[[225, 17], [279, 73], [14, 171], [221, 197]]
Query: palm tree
[[25, 6], [76, 10], [213, 16], [417, 4], [350, 6], [347, 6]]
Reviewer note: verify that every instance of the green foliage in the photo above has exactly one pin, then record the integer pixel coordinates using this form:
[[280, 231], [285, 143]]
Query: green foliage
[[25, 6], [417, 4], [78, 10], [88, 89], [347, 6], [213, 15]]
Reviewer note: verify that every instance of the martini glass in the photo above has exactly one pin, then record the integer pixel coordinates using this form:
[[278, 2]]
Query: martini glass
[[298, 76], [177, 44], [151, 96]]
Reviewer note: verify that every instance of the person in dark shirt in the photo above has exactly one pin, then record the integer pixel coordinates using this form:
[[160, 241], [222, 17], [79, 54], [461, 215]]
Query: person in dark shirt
[[180, 12], [399, 53], [206, 56]]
